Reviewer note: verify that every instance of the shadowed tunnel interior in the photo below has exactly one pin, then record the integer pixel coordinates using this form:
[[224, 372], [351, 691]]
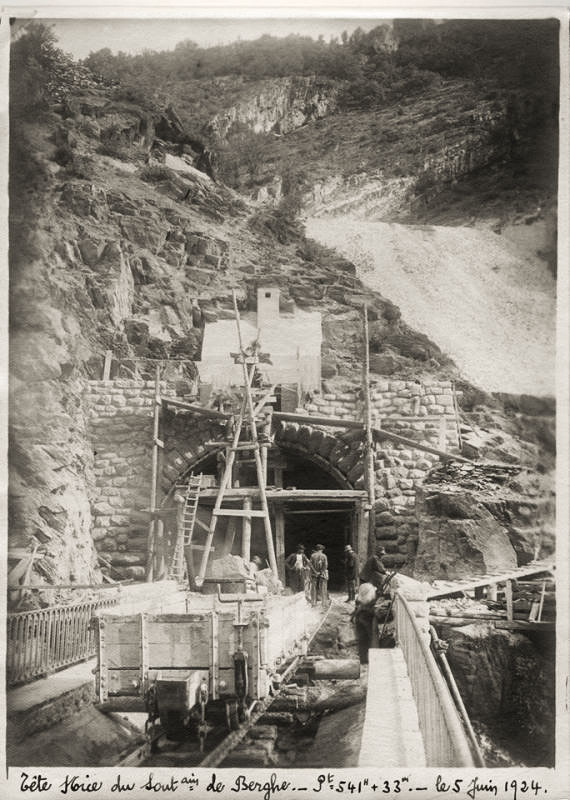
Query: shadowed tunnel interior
[[331, 524]]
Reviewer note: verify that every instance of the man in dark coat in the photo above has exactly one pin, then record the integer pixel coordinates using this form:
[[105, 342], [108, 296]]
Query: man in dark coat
[[374, 571], [319, 576], [350, 572]]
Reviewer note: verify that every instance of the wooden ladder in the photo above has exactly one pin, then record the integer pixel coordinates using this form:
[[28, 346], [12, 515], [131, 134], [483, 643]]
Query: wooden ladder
[[249, 358], [184, 536]]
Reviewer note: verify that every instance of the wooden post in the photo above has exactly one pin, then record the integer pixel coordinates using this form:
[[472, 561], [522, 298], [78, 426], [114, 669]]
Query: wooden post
[[154, 477], [369, 474], [443, 435], [280, 541], [107, 365], [266, 444], [541, 606], [509, 598], [158, 569], [246, 532], [361, 525], [248, 380], [230, 536]]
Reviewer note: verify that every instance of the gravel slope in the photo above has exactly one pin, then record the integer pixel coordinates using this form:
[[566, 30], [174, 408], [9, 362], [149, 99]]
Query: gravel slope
[[479, 296]]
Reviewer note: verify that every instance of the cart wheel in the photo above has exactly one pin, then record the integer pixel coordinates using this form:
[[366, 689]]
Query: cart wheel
[[232, 716]]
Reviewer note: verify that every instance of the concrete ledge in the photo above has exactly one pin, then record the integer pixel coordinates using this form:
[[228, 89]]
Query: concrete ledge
[[46, 702]]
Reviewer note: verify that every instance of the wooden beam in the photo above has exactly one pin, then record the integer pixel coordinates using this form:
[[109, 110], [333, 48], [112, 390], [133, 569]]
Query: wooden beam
[[333, 422], [522, 625], [246, 512], [378, 433], [316, 511], [107, 365], [230, 536], [312, 495], [280, 543], [443, 434], [509, 598], [369, 474], [195, 409], [154, 478]]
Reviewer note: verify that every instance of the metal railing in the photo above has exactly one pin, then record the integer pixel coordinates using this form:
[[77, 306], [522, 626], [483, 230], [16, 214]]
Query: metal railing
[[43, 641], [445, 741]]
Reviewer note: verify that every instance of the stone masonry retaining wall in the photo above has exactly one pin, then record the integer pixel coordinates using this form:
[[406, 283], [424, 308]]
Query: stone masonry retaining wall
[[121, 426], [408, 409]]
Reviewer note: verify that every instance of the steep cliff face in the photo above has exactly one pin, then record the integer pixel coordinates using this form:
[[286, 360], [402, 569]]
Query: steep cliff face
[[279, 106], [113, 250], [119, 242]]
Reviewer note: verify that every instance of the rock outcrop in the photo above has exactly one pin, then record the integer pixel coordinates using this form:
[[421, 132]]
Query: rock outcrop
[[507, 684], [474, 519], [279, 106]]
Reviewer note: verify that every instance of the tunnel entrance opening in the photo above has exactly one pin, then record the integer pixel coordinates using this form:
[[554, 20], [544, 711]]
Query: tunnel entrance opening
[[309, 504], [326, 526]]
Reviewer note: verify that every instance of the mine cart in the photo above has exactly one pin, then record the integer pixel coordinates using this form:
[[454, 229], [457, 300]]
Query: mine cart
[[195, 670]]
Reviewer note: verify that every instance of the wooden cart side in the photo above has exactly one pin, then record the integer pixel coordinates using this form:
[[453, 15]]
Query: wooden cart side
[[119, 655]]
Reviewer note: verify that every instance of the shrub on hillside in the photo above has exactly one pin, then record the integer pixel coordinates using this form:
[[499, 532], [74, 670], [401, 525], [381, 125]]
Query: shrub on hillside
[[114, 149], [63, 155], [155, 173], [40, 72]]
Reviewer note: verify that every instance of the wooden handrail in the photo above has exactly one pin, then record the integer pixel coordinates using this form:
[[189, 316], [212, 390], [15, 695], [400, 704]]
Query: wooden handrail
[[446, 743]]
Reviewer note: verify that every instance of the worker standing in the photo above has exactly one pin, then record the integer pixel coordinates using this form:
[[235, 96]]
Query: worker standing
[[350, 572], [319, 576], [297, 565]]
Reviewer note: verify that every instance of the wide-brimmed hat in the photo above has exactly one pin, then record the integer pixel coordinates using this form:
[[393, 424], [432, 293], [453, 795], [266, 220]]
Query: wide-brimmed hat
[[300, 547], [348, 547], [380, 550], [320, 547]]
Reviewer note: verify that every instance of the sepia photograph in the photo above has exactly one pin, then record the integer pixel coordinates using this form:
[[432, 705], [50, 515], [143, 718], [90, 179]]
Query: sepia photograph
[[282, 455]]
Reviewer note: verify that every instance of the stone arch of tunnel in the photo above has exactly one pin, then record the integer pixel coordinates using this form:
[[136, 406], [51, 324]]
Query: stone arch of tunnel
[[305, 458]]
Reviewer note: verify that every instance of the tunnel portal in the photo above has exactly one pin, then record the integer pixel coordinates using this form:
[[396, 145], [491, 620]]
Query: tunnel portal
[[309, 504]]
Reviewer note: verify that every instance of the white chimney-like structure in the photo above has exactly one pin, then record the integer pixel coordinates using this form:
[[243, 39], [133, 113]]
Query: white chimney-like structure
[[267, 306], [292, 341]]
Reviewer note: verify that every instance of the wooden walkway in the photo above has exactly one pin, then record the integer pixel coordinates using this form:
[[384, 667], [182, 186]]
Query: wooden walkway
[[391, 736], [445, 588]]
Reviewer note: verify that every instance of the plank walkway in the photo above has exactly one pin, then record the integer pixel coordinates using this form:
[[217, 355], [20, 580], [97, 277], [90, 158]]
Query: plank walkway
[[391, 736], [444, 588]]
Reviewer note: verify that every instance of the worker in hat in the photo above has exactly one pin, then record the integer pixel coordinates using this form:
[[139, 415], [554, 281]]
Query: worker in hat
[[319, 576], [374, 571], [350, 572], [297, 564]]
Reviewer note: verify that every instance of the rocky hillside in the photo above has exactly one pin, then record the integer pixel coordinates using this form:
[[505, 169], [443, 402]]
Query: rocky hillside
[[123, 237]]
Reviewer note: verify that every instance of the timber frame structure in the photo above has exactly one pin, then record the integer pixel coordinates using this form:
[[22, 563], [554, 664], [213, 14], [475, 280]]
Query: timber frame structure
[[281, 500]]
